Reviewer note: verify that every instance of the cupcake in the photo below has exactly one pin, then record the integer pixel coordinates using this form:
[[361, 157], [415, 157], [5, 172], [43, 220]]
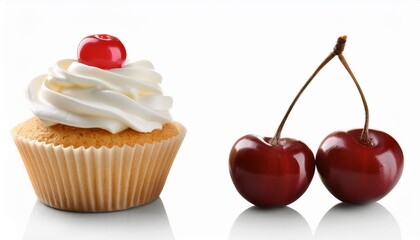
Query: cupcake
[[102, 138]]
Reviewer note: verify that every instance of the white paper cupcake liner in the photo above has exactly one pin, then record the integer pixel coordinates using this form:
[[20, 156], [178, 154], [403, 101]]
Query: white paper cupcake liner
[[98, 179]]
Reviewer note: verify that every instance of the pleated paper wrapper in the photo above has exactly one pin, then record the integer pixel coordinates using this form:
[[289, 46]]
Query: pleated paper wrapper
[[98, 179]]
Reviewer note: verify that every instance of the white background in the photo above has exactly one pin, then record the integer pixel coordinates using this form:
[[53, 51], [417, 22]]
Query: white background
[[232, 67]]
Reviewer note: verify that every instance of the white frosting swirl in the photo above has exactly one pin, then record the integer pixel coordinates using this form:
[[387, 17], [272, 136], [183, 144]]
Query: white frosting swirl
[[79, 95]]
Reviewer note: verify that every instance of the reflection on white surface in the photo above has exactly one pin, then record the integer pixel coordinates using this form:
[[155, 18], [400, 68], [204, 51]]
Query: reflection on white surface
[[282, 223], [146, 222], [345, 221]]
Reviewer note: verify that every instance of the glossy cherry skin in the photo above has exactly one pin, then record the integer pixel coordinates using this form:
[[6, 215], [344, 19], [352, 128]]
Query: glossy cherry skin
[[271, 175], [102, 51], [358, 173]]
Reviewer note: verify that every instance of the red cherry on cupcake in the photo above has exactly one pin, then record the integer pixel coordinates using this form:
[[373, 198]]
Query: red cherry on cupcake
[[101, 51], [361, 165], [274, 172]]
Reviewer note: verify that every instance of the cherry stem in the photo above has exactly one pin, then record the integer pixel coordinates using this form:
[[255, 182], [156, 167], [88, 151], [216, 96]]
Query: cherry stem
[[338, 49], [364, 137]]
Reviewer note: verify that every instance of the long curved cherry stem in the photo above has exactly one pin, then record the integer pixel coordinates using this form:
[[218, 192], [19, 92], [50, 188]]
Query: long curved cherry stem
[[338, 49], [364, 137]]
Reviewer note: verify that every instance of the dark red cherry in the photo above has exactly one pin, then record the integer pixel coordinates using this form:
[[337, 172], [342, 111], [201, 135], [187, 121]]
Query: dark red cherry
[[101, 51], [361, 165], [271, 174], [356, 172], [274, 172]]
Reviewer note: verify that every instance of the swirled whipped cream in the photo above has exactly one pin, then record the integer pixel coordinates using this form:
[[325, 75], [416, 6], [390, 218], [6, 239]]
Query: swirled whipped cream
[[79, 95]]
